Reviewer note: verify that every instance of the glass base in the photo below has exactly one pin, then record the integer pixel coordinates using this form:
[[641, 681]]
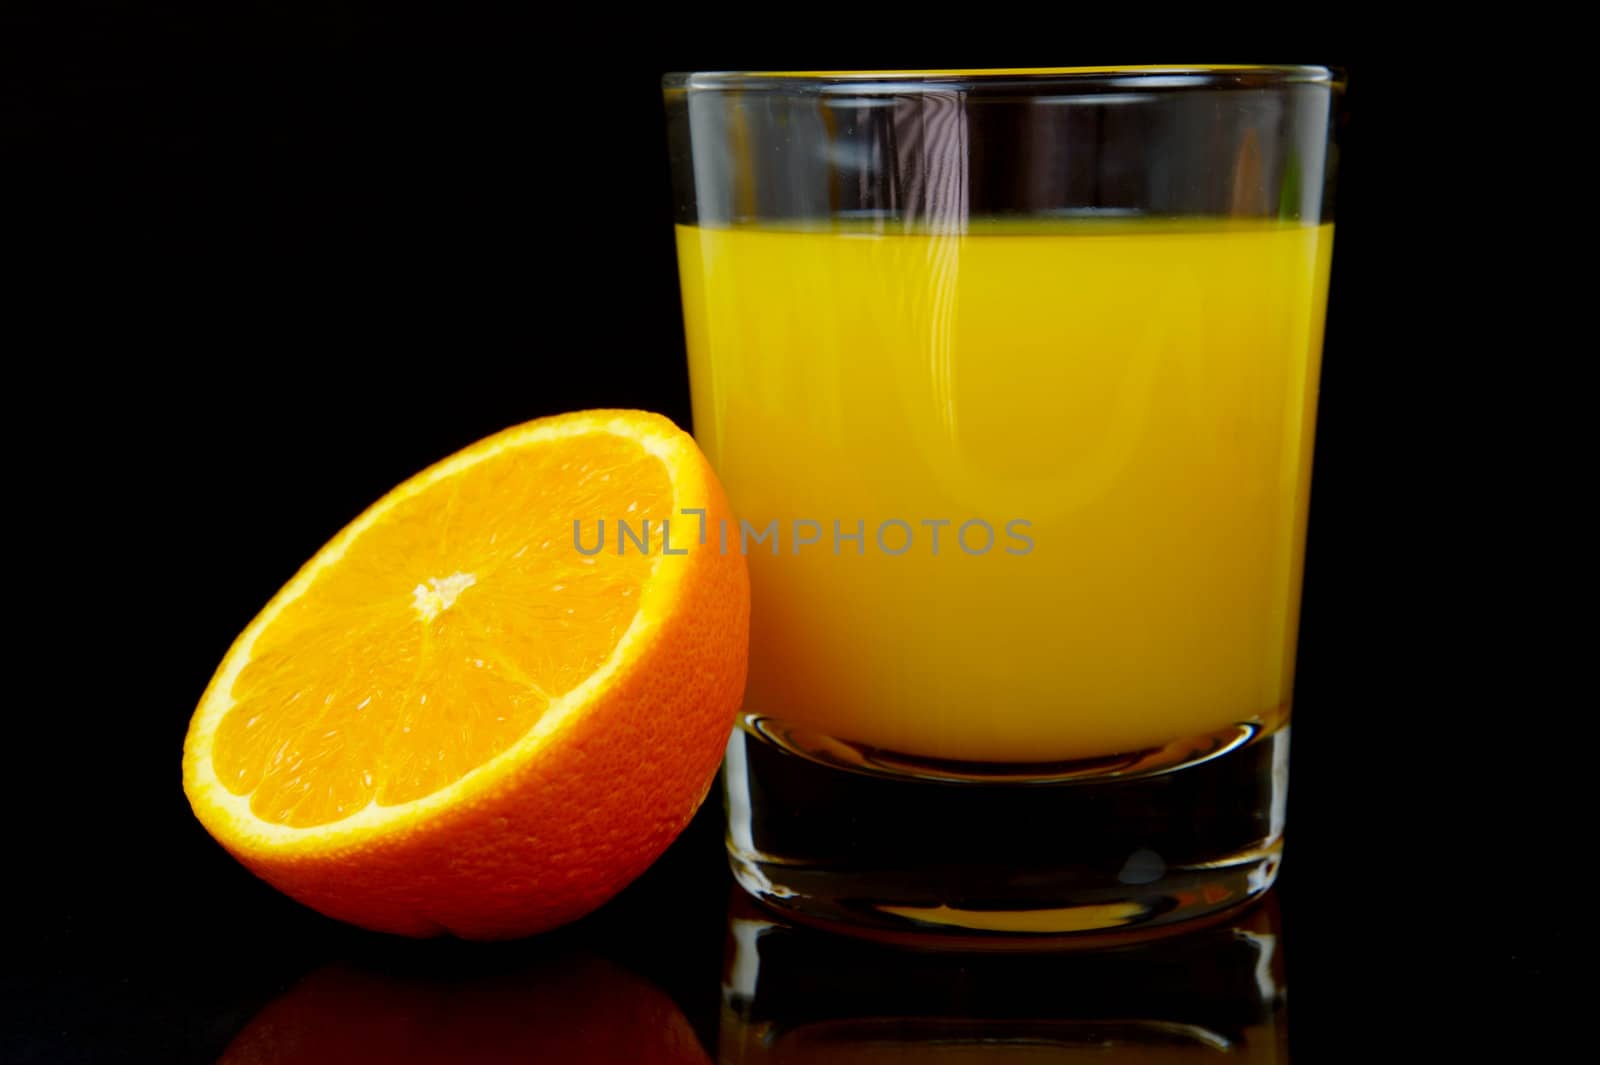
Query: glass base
[[990, 857]]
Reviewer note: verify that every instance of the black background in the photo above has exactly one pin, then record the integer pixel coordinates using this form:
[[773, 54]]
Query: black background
[[263, 267]]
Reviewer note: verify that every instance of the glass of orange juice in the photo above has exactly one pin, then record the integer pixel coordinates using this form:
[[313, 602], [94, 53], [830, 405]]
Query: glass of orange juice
[[1011, 378]]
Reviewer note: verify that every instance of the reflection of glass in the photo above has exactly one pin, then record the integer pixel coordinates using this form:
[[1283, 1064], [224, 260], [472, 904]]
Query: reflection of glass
[[1011, 379], [791, 996], [566, 1008]]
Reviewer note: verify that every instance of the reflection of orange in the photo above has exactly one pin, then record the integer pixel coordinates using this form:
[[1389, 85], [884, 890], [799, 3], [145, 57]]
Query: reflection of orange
[[457, 718], [583, 1011]]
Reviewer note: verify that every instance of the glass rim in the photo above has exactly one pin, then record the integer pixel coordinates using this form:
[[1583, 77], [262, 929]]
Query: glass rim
[[1011, 79]]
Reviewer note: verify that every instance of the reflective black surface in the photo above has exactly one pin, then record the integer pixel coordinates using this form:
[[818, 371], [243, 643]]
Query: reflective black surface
[[684, 968]]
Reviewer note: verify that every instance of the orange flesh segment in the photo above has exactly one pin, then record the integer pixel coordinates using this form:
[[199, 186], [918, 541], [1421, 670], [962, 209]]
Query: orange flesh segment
[[444, 632]]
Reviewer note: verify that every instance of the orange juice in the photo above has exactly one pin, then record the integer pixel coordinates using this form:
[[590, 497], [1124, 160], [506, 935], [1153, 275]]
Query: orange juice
[[1039, 491]]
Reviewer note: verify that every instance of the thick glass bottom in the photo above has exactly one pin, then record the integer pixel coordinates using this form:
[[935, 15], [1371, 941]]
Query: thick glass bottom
[[944, 854]]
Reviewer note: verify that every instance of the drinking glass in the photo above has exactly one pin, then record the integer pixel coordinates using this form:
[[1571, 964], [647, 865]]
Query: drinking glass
[[1011, 379]]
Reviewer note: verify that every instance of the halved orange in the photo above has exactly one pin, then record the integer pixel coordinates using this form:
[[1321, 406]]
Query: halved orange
[[461, 717]]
